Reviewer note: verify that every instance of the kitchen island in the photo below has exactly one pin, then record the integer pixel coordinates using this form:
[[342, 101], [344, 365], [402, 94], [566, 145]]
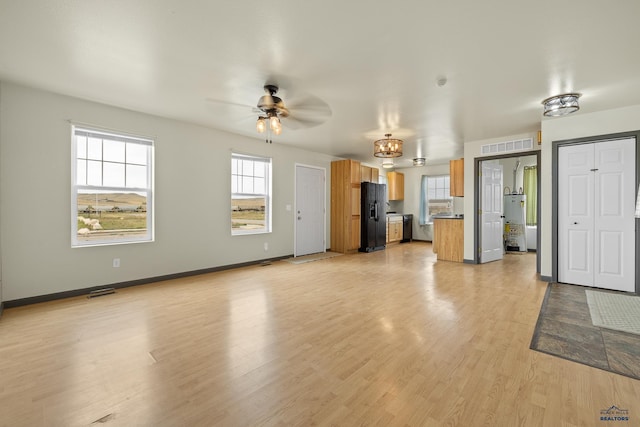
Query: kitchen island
[[448, 238]]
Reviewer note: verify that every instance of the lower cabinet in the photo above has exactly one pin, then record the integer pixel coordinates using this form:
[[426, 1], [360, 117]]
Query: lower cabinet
[[448, 239], [394, 228]]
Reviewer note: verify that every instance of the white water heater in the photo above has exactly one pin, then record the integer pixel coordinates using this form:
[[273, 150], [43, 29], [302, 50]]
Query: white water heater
[[515, 237]]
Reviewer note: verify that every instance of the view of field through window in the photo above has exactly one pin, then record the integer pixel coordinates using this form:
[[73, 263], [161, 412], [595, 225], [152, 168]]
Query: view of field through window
[[248, 213], [111, 215]]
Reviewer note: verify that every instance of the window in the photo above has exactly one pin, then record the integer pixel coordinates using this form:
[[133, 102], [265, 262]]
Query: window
[[250, 194], [435, 198], [111, 188]]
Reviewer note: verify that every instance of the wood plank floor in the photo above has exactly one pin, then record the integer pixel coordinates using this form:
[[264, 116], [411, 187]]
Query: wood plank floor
[[387, 338]]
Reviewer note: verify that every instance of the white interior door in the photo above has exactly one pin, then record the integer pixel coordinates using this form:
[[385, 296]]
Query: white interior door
[[614, 246], [309, 210], [575, 214], [596, 225], [491, 247]]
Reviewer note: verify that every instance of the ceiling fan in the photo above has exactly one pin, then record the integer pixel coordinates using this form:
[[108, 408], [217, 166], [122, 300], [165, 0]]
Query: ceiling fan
[[301, 111], [273, 109]]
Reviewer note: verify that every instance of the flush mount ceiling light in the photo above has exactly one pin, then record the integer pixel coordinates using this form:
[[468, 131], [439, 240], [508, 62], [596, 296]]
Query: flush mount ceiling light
[[388, 147], [419, 161], [561, 105], [387, 163]]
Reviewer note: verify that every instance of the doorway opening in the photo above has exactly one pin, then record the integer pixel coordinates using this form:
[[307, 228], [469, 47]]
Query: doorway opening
[[503, 184]]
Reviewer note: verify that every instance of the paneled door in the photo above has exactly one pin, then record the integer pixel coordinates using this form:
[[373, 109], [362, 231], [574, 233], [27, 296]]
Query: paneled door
[[491, 241], [596, 225], [310, 210]]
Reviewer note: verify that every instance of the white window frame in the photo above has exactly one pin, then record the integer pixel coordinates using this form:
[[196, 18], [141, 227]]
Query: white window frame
[[267, 195], [447, 198], [109, 135]]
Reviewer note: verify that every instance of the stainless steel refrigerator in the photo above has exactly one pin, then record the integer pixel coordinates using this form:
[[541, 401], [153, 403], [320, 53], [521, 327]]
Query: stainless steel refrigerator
[[373, 229]]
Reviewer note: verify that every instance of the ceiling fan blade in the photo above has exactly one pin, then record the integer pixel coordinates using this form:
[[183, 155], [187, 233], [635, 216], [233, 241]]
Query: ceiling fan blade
[[309, 110], [229, 103], [293, 122]]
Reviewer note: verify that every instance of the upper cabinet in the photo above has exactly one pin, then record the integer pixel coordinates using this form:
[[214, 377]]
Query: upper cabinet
[[456, 176], [369, 174], [395, 182]]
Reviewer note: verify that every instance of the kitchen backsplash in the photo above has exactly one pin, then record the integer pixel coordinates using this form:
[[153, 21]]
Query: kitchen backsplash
[[458, 205], [396, 206]]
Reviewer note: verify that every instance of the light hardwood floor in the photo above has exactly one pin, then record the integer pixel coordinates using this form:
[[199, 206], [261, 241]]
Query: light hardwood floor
[[387, 338]]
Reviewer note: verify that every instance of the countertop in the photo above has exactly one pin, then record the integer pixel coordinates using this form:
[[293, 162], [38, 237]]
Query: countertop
[[459, 216]]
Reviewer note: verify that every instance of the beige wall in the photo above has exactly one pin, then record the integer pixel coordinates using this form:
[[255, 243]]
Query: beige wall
[[576, 126], [2, 179], [192, 169]]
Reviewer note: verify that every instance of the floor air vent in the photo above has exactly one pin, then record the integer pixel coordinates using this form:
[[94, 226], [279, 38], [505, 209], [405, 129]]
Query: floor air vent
[[101, 292]]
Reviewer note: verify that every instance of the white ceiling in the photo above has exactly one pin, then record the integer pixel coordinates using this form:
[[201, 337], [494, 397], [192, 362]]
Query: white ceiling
[[374, 65]]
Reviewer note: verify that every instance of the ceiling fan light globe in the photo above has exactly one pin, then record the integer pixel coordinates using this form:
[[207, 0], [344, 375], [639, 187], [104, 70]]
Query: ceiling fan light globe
[[274, 122], [260, 125]]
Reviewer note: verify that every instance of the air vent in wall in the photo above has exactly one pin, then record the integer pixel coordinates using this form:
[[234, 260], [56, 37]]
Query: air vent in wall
[[507, 146]]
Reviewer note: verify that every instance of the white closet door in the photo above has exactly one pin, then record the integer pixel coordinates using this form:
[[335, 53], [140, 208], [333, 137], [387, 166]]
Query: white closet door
[[596, 225], [614, 246], [575, 214]]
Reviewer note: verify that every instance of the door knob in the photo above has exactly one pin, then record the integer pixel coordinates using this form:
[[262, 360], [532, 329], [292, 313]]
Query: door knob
[[575, 223]]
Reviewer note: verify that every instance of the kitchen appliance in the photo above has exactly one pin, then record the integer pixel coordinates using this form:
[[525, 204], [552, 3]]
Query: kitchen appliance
[[407, 228], [515, 238], [373, 226]]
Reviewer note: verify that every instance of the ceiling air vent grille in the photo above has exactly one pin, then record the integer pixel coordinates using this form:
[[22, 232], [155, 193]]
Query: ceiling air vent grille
[[507, 146]]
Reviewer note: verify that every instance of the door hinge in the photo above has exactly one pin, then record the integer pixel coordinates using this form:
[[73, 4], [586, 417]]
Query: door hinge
[[479, 250], [479, 211]]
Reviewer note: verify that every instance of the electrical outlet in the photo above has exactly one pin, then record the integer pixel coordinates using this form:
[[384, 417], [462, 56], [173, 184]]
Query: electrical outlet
[[266, 246], [116, 262]]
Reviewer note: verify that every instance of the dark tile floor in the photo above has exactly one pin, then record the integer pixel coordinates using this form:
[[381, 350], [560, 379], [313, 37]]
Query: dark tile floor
[[564, 329]]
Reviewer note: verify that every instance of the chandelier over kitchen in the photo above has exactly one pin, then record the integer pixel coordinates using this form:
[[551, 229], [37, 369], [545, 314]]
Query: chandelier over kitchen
[[388, 147]]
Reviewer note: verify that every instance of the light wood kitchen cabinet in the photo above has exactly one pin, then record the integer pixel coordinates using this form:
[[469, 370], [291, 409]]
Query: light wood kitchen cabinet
[[395, 185], [345, 205], [456, 178], [394, 229], [448, 239], [369, 174]]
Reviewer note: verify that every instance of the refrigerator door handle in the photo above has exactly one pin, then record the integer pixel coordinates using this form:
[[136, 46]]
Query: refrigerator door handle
[[376, 211]]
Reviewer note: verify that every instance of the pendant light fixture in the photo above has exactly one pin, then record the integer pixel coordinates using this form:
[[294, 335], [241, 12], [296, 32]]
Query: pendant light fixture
[[388, 147], [561, 105]]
